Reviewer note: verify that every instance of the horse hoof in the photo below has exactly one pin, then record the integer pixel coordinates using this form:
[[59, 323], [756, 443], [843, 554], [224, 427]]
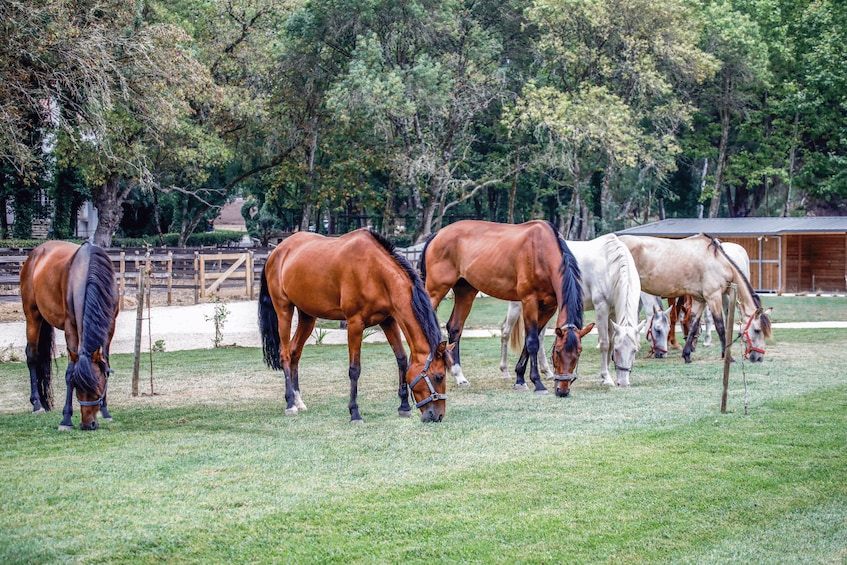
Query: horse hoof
[[291, 411], [403, 414], [608, 382], [541, 391], [64, 428], [520, 386], [39, 411], [357, 421]]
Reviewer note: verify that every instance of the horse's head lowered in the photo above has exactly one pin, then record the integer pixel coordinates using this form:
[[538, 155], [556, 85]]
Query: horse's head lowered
[[566, 351], [624, 349], [658, 331], [754, 332], [429, 386], [89, 377]]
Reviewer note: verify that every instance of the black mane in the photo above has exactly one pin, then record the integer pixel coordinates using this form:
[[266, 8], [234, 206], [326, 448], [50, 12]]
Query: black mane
[[421, 305]]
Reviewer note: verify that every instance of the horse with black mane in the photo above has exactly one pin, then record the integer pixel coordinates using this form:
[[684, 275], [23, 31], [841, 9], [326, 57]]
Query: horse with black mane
[[360, 278], [528, 262], [72, 288]]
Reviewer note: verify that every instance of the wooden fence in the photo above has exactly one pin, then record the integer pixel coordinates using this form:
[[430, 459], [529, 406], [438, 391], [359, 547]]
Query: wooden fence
[[204, 271]]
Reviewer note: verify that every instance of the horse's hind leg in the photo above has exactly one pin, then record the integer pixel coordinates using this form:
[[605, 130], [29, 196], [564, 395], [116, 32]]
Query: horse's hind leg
[[463, 297], [506, 328], [395, 339], [305, 325]]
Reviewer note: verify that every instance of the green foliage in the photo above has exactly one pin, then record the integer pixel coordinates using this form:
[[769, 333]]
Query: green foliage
[[205, 239]]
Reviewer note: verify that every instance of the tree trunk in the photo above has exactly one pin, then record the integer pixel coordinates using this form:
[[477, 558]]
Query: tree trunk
[[715, 205], [108, 199]]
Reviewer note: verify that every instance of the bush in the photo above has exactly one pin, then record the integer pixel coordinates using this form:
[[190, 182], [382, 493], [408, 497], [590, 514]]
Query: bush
[[206, 239]]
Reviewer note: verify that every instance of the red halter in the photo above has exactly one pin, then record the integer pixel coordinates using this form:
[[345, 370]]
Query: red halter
[[653, 347]]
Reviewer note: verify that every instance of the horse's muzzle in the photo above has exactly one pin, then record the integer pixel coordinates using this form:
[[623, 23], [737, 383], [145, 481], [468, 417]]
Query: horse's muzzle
[[431, 415], [90, 426], [756, 357]]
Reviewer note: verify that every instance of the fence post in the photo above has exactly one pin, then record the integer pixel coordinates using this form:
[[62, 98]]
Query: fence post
[[123, 275], [249, 274], [139, 316], [170, 276], [727, 355], [196, 271]]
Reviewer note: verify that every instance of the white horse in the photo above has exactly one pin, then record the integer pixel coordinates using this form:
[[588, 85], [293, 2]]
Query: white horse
[[658, 325], [610, 287]]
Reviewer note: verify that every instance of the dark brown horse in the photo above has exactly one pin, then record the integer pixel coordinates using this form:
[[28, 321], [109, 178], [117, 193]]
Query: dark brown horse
[[529, 263], [72, 288], [357, 277]]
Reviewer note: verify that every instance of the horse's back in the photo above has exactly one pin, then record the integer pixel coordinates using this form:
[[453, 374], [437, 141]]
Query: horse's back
[[44, 281], [329, 277], [493, 257]]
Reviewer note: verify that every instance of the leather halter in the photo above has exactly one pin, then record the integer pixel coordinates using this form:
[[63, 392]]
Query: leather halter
[[432, 394], [653, 347], [102, 396], [568, 377], [748, 341]]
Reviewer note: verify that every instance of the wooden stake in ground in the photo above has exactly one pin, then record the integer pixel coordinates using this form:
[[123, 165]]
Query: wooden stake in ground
[[139, 317], [730, 331]]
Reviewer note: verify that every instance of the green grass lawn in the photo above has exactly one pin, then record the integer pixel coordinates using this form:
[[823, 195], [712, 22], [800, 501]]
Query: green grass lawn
[[210, 470]]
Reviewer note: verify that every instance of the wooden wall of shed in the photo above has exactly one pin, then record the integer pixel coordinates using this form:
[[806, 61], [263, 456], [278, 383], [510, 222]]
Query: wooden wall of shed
[[764, 261], [815, 262]]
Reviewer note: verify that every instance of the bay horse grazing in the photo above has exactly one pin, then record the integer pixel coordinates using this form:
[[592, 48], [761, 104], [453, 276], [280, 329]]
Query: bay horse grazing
[[72, 288], [699, 266], [610, 287], [357, 277], [530, 263]]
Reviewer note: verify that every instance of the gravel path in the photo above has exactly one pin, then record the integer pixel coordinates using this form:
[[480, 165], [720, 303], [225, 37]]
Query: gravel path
[[191, 327]]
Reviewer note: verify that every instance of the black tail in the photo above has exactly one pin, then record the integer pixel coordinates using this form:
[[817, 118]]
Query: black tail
[[268, 326], [422, 260], [43, 362]]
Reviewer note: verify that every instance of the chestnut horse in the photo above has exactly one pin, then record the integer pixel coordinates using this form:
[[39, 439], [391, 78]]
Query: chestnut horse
[[699, 266], [528, 262], [357, 277], [610, 287], [72, 288]]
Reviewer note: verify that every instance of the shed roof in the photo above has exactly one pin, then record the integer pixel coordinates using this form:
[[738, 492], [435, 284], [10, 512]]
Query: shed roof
[[683, 227]]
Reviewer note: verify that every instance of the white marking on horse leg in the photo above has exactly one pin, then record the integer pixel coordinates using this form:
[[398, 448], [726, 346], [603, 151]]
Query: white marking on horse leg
[[291, 411], [298, 402], [460, 377]]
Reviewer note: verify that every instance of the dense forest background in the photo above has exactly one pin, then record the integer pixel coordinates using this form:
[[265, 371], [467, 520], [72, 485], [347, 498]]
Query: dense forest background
[[409, 114]]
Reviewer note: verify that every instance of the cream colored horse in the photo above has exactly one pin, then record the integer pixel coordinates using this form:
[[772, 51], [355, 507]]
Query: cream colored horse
[[699, 266]]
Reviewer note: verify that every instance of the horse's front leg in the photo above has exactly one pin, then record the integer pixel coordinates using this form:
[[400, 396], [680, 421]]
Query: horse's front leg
[[68, 410], [532, 347], [355, 331], [603, 333], [696, 311], [395, 338]]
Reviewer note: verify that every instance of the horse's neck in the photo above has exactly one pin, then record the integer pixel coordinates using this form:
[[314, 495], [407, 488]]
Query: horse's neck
[[746, 302]]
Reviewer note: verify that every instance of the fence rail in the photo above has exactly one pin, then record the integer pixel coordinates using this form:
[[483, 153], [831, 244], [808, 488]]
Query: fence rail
[[203, 271]]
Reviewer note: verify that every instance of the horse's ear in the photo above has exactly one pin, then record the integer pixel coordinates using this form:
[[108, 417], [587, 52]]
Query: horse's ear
[[768, 311], [668, 311], [616, 327], [641, 326], [584, 331], [97, 356], [560, 332], [442, 347]]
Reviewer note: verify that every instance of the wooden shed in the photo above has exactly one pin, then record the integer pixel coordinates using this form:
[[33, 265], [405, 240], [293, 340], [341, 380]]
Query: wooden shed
[[786, 254]]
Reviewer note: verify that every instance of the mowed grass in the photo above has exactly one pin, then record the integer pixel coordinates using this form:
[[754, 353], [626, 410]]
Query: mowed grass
[[210, 469]]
